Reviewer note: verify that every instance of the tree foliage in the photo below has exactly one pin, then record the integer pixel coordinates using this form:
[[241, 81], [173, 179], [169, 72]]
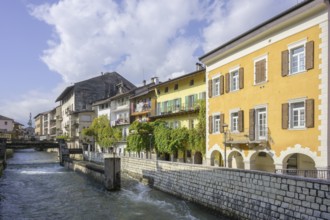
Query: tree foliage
[[141, 134], [100, 129]]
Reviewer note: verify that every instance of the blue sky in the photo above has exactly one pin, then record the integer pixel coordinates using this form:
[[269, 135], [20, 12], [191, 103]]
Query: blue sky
[[48, 45]]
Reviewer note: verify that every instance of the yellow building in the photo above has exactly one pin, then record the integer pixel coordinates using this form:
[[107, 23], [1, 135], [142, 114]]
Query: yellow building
[[177, 99], [268, 94]]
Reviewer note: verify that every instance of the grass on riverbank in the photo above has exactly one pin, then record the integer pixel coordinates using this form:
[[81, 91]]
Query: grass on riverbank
[[9, 153]]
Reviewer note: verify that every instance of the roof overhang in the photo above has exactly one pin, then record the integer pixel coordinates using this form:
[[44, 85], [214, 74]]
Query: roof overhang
[[64, 93]]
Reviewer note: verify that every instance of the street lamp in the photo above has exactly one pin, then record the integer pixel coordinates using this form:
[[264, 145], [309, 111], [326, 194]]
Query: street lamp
[[225, 126]]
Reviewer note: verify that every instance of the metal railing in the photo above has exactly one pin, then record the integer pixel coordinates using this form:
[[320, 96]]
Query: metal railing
[[178, 108], [236, 137], [320, 174]]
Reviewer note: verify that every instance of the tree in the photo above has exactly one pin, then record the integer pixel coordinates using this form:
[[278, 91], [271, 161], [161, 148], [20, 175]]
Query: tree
[[197, 137], [104, 135], [139, 138]]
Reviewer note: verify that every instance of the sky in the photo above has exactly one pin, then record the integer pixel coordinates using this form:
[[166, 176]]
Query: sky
[[47, 45]]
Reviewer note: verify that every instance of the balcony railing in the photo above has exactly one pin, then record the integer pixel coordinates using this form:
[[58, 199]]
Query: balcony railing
[[120, 121], [140, 108], [236, 137], [320, 174], [178, 108]]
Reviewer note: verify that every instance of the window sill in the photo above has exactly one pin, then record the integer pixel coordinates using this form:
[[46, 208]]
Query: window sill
[[297, 129], [261, 83], [233, 91], [297, 73], [216, 132]]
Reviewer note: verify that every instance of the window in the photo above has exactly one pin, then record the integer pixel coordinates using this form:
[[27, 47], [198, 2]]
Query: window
[[216, 123], [260, 70], [190, 101], [234, 121], [261, 123], [297, 59], [202, 95], [234, 80], [166, 89], [6, 123], [216, 86], [176, 86], [177, 105], [297, 115], [191, 82]]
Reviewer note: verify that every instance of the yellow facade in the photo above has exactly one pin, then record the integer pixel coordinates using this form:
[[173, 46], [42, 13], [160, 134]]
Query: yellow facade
[[187, 90], [280, 143]]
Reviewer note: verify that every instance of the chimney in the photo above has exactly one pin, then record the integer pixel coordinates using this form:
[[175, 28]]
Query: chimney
[[144, 82], [199, 66], [155, 80]]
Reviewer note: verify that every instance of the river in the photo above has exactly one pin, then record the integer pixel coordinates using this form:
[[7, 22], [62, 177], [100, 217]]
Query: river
[[35, 186]]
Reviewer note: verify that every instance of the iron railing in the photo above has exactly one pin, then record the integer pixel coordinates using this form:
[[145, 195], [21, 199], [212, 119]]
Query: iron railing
[[236, 137], [320, 174], [178, 108]]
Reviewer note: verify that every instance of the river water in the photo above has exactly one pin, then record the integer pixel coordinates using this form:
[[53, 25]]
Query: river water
[[35, 186]]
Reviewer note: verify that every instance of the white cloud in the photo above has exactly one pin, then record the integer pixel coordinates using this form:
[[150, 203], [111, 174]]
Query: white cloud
[[135, 38], [228, 19]]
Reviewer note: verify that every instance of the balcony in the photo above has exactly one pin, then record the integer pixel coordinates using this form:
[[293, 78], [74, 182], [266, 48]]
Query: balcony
[[59, 117], [176, 110], [75, 123], [120, 107], [259, 137], [120, 121], [141, 109]]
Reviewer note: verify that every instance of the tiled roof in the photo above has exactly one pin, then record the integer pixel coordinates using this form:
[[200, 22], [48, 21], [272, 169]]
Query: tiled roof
[[5, 118]]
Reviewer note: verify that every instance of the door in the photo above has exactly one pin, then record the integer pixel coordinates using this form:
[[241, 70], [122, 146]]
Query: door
[[261, 124]]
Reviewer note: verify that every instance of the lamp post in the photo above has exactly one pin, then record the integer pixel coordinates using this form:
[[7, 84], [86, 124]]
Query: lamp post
[[225, 126]]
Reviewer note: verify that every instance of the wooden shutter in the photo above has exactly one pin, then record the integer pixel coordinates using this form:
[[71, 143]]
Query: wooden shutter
[[260, 71], [309, 55], [285, 116], [222, 85], [241, 121], [309, 113], [210, 88], [227, 83], [222, 121], [210, 124], [252, 124], [241, 77], [262, 76], [285, 63], [257, 72]]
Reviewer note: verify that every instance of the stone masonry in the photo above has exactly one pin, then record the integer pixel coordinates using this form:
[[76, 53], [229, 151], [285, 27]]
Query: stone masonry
[[241, 194]]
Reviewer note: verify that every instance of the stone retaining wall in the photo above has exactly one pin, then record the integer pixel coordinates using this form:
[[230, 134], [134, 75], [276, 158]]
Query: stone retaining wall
[[241, 194], [91, 170]]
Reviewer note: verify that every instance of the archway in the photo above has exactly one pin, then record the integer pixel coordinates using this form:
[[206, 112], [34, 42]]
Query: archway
[[235, 160], [216, 159], [198, 158], [300, 165], [262, 161]]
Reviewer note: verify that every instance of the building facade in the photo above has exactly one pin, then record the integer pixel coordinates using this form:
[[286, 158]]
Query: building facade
[[143, 102], [76, 103], [267, 94], [177, 99], [6, 127]]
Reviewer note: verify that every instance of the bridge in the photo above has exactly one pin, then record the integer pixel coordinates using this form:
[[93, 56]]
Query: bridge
[[63, 151]]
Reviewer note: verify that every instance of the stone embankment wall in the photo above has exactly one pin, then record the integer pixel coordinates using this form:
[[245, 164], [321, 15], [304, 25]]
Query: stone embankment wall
[[240, 194], [92, 170]]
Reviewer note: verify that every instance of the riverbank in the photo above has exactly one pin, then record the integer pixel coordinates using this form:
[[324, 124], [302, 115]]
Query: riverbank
[[238, 194]]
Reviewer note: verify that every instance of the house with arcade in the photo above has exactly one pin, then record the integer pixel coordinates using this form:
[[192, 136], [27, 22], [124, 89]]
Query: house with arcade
[[268, 94]]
